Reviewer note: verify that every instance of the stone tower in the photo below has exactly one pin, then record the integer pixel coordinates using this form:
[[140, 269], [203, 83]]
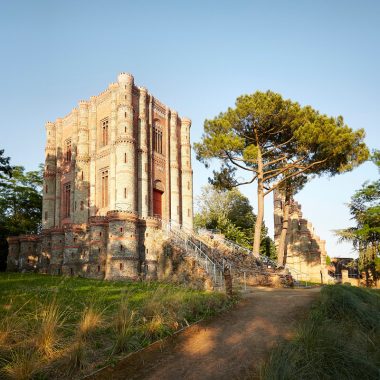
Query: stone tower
[[115, 167]]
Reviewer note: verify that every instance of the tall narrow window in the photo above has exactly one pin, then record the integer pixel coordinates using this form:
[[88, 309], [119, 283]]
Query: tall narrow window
[[46, 189], [66, 199], [157, 139], [125, 192], [46, 215], [104, 200], [68, 150], [125, 158], [104, 132]]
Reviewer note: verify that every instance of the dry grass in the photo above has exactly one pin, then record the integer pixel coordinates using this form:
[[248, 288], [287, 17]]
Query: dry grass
[[23, 364], [124, 326], [50, 319], [83, 323], [90, 321]]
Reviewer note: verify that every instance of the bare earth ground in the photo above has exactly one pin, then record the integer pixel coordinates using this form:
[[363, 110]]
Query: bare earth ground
[[230, 346]]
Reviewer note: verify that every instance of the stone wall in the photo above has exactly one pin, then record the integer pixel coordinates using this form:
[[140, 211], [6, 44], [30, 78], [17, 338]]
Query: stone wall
[[305, 252]]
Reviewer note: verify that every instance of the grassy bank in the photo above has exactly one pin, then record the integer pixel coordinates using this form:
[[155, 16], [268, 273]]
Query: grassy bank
[[57, 327], [339, 340]]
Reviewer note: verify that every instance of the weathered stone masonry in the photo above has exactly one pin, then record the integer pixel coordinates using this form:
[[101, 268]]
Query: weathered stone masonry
[[115, 167], [305, 252]]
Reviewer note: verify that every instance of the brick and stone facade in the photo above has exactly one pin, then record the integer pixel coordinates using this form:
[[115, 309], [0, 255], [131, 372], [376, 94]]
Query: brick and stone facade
[[115, 167]]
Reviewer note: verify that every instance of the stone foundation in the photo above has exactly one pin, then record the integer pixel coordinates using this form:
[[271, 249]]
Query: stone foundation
[[117, 246]]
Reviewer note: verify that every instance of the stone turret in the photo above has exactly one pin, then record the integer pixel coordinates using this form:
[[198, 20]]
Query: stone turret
[[82, 167], [125, 147], [48, 205], [186, 174], [143, 163], [175, 212]]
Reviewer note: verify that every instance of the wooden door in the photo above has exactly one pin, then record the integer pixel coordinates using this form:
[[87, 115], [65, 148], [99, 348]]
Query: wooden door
[[157, 203]]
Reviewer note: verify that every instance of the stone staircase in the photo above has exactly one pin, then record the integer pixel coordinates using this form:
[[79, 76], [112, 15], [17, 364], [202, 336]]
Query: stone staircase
[[215, 255]]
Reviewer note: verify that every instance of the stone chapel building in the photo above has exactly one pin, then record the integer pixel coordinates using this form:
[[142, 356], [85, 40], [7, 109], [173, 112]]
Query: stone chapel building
[[116, 168]]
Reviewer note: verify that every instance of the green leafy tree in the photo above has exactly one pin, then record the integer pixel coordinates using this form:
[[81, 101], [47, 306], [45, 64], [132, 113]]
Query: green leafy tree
[[365, 235], [272, 141], [230, 213], [5, 167], [20, 206]]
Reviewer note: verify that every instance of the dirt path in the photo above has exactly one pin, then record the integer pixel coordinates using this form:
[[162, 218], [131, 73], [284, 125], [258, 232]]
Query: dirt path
[[230, 346]]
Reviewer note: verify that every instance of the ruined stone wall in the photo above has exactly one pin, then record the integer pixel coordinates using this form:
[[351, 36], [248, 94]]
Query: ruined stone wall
[[305, 251]]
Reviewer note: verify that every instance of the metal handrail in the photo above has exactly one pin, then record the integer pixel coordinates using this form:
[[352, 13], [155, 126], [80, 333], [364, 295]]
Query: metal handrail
[[210, 266]]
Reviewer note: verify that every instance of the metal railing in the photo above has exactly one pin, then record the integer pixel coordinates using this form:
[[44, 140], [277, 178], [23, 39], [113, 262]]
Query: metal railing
[[185, 239]]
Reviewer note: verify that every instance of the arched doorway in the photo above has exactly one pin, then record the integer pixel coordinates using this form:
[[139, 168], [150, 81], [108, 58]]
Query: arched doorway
[[158, 191]]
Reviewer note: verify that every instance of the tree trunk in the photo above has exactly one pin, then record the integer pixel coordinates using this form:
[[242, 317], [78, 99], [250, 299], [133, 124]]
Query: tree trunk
[[260, 205], [284, 230]]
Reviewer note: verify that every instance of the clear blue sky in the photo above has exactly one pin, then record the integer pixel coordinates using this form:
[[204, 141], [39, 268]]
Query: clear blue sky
[[197, 57]]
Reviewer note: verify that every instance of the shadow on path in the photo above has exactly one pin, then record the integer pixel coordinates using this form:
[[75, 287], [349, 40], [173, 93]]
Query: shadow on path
[[230, 346]]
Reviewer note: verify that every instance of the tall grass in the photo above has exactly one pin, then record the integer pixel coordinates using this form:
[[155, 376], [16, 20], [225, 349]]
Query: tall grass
[[81, 324], [339, 340]]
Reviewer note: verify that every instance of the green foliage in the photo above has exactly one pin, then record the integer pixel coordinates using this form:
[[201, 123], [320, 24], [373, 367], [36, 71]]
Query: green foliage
[[289, 139], [20, 205], [230, 212], [338, 340], [5, 168], [277, 142], [365, 235], [328, 260]]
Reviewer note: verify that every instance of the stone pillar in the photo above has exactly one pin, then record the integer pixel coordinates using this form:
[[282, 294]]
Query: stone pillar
[[113, 127], [143, 165], [13, 254], [186, 175], [28, 253], [48, 204], [59, 157], [174, 171], [152, 245], [82, 167], [56, 257], [278, 203], [98, 247], [167, 164], [74, 147], [122, 250], [125, 148], [92, 137]]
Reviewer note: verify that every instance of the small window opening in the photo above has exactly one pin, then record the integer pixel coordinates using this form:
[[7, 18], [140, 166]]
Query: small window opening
[[98, 268], [121, 266]]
